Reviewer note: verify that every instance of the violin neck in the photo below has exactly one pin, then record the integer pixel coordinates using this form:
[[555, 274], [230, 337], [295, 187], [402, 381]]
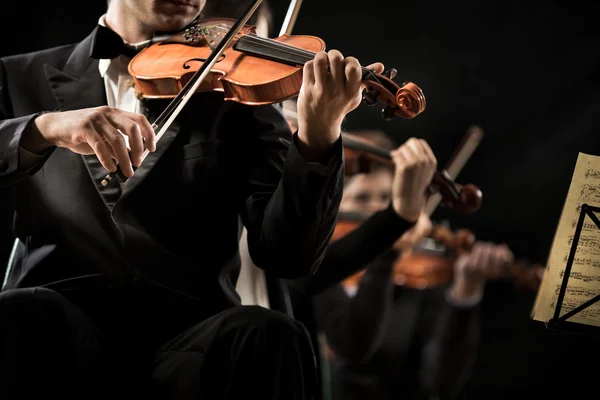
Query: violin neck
[[354, 143], [352, 216], [370, 150], [272, 50], [280, 52]]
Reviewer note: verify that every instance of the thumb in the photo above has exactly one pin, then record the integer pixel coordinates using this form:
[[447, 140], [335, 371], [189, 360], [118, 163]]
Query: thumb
[[427, 226], [461, 262], [376, 67]]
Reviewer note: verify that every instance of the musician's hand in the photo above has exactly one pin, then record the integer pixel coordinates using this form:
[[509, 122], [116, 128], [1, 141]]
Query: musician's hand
[[331, 88], [415, 165], [94, 130], [472, 270], [411, 237]]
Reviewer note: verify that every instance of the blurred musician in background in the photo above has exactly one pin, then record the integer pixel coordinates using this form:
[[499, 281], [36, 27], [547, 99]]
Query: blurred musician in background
[[423, 340]]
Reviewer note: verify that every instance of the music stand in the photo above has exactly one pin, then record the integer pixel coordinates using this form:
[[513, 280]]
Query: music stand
[[559, 322]]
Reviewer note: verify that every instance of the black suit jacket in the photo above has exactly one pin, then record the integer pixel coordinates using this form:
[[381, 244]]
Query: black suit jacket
[[391, 342], [176, 222], [343, 258], [423, 346]]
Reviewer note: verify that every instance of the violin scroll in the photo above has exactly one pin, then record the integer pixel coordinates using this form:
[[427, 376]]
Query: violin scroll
[[470, 198], [407, 101], [462, 199], [462, 240], [410, 100]]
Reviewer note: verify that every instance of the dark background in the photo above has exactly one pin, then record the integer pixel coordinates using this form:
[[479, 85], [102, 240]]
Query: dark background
[[526, 72]]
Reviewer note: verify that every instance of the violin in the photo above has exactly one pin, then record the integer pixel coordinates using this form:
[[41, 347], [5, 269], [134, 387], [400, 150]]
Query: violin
[[226, 55], [254, 70], [431, 262], [360, 154]]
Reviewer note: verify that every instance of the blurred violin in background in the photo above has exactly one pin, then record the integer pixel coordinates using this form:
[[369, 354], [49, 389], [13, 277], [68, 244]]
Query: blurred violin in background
[[360, 154], [430, 262]]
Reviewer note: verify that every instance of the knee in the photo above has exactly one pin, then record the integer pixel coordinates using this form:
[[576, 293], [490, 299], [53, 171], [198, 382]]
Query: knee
[[28, 298], [31, 304]]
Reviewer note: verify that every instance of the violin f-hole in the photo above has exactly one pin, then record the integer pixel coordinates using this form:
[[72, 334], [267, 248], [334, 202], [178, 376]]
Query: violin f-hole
[[187, 66]]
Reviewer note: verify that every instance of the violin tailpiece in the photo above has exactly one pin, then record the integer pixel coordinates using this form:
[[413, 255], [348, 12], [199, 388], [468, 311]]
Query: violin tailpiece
[[195, 33]]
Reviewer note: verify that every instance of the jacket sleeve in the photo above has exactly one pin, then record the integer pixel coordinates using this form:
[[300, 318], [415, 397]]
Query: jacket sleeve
[[450, 347], [354, 251], [13, 166], [289, 207], [354, 326]]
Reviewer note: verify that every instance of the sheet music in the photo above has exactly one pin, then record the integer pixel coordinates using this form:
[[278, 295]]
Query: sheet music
[[584, 280]]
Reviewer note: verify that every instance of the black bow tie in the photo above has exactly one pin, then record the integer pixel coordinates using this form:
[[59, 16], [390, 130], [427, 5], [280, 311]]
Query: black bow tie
[[107, 43]]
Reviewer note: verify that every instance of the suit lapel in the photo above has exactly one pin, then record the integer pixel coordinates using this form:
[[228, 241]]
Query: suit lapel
[[79, 85]]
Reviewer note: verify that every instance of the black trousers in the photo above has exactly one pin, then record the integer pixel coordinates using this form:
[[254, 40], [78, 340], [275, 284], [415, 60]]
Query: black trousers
[[51, 348]]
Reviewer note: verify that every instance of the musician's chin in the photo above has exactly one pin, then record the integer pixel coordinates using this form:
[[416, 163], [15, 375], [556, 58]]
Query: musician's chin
[[177, 14]]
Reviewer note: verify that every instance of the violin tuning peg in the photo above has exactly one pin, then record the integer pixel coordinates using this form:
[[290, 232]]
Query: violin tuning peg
[[389, 112], [369, 97], [390, 73]]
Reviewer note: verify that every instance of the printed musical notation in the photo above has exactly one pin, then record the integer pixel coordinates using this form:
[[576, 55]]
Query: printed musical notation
[[590, 192], [587, 226], [571, 302], [583, 281], [581, 277], [588, 243], [583, 261], [592, 173]]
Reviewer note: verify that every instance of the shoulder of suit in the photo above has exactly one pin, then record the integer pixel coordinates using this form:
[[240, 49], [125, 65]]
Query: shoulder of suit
[[56, 56]]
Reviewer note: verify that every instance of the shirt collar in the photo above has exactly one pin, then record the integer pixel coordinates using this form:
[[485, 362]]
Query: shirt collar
[[104, 64]]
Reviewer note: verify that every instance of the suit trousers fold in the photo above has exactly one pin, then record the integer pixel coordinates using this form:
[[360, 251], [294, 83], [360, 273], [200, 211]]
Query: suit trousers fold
[[49, 346]]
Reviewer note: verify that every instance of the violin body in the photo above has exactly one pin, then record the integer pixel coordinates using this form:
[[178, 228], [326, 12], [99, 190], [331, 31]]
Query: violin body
[[162, 69], [415, 269], [430, 262], [342, 228], [422, 270], [421, 267]]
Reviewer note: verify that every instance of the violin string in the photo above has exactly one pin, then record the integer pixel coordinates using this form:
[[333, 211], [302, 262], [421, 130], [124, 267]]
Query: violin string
[[270, 42], [273, 44], [278, 46], [286, 48]]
